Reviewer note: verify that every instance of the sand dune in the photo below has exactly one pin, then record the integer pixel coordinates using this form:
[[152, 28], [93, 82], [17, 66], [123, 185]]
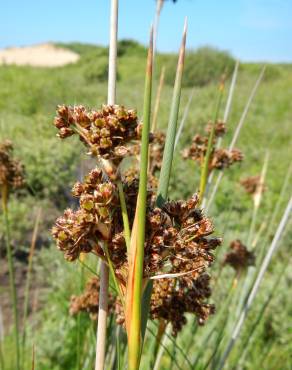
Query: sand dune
[[42, 55]]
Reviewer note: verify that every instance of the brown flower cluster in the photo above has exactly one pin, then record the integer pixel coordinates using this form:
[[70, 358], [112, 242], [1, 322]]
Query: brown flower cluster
[[224, 158], [172, 299], [106, 131], [177, 245], [176, 236], [240, 258], [252, 184], [11, 170], [177, 239], [88, 301], [220, 128], [83, 230], [220, 158]]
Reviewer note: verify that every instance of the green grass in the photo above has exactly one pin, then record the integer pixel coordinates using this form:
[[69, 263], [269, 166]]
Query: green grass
[[28, 98]]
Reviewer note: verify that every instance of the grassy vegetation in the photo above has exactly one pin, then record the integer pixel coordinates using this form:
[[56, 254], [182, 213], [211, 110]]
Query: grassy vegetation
[[28, 98]]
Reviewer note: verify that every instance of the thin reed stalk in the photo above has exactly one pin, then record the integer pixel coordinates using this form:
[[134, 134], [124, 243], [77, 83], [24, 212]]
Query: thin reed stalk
[[127, 231], [236, 134], [225, 119], [206, 162], [157, 100], [184, 118], [162, 347], [104, 271], [159, 5], [257, 199], [249, 338], [254, 290], [167, 158], [28, 277], [229, 98], [136, 253], [13, 293], [172, 126]]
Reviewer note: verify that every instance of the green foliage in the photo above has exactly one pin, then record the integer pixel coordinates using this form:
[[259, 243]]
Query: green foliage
[[202, 67], [131, 47]]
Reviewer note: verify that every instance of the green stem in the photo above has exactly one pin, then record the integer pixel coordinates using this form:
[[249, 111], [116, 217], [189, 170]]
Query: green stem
[[4, 191], [126, 224], [205, 164], [172, 126], [135, 328], [2, 364], [28, 280], [112, 271]]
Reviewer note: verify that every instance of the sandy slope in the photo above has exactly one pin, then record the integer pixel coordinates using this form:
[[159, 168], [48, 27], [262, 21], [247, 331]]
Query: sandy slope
[[42, 55]]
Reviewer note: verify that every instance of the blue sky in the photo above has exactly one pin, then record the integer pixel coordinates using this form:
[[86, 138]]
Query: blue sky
[[252, 30]]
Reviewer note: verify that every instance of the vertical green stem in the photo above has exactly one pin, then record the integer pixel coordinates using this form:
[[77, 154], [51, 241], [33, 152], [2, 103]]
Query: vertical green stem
[[134, 334], [172, 126], [126, 225], [205, 164], [28, 280], [4, 193], [167, 159]]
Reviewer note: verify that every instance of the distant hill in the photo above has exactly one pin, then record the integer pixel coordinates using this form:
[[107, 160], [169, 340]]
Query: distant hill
[[41, 55]]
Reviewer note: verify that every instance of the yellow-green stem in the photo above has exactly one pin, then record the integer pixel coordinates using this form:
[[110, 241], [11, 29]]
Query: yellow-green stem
[[112, 271], [127, 232], [136, 258], [206, 162]]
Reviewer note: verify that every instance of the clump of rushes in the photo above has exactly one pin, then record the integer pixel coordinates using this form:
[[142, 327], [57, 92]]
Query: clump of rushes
[[176, 235], [240, 258], [133, 229], [219, 158], [11, 179]]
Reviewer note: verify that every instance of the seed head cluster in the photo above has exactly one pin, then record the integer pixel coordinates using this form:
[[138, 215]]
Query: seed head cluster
[[106, 131], [240, 258], [172, 299], [220, 158], [11, 170], [252, 184], [176, 236]]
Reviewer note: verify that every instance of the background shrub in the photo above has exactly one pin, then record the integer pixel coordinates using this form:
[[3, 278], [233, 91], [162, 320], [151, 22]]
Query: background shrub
[[203, 66]]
